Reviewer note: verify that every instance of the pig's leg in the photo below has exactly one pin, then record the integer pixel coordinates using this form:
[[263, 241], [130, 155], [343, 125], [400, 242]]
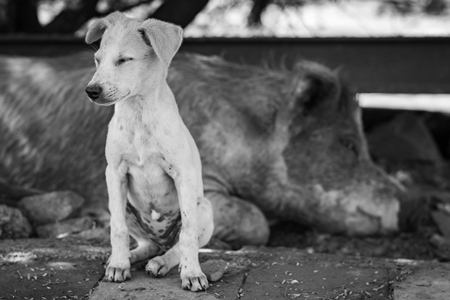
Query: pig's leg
[[236, 221]]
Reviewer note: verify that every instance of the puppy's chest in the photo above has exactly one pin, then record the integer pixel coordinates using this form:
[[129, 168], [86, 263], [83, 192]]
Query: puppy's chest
[[133, 143], [137, 138], [139, 153]]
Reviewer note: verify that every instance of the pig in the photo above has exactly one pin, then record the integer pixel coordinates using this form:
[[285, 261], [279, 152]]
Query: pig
[[275, 143]]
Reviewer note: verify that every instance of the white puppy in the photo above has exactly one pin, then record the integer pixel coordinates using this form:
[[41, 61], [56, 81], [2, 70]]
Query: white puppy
[[153, 175]]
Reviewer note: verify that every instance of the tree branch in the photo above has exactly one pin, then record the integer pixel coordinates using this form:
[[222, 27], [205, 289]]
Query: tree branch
[[179, 12], [254, 18], [22, 17], [72, 18], [123, 7]]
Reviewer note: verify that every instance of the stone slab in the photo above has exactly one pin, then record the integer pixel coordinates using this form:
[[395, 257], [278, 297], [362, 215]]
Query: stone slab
[[70, 269], [267, 274], [291, 274], [42, 269], [143, 286], [49, 279], [425, 283]]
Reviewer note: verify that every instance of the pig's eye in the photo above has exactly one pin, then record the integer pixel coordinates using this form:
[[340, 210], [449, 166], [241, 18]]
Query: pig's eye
[[123, 60], [349, 144]]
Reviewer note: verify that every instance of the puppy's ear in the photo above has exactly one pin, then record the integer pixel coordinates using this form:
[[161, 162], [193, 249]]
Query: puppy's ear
[[164, 38], [96, 30]]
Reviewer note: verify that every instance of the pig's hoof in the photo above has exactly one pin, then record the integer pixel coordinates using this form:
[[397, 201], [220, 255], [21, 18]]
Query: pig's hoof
[[194, 282], [157, 267]]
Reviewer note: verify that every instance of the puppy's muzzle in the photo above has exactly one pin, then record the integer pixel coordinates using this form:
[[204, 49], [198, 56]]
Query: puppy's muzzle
[[94, 91]]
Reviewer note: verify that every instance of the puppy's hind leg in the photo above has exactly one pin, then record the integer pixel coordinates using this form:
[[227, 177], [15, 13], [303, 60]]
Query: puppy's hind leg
[[145, 249], [192, 279], [161, 265]]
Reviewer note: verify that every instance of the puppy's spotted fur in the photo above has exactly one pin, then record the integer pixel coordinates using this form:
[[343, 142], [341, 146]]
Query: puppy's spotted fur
[[154, 171]]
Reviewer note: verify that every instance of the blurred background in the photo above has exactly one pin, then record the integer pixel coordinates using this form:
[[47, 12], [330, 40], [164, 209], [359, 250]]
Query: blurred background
[[240, 18], [398, 64], [394, 53]]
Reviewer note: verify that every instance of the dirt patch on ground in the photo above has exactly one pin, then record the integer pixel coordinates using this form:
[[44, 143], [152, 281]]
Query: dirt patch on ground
[[405, 245]]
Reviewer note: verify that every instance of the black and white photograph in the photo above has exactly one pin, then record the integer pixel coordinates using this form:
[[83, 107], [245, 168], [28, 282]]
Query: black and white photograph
[[225, 149]]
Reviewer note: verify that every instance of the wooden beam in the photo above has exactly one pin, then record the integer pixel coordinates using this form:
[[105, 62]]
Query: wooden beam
[[372, 65]]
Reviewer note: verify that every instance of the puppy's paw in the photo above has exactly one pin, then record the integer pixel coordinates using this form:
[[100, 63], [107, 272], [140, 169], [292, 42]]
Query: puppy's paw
[[117, 270], [193, 280], [157, 267]]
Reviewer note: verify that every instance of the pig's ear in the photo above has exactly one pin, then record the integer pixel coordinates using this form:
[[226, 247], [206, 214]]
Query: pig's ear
[[96, 30], [164, 38], [321, 86]]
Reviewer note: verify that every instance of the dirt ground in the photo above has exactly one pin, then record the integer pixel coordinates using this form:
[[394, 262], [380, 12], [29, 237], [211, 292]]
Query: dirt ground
[[405, 245]]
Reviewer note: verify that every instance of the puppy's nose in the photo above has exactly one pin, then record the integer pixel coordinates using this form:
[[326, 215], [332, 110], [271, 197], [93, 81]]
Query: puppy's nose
[[93, 91]]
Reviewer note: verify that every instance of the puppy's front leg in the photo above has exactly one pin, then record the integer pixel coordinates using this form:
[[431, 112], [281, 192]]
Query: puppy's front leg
[[118, 268], [191, 275]]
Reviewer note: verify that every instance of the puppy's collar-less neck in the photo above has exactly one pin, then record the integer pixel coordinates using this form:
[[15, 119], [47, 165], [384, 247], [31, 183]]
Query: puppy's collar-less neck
[[144, 107]]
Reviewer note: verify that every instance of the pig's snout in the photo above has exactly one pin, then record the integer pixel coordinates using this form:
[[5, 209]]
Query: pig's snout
[[94, 91]]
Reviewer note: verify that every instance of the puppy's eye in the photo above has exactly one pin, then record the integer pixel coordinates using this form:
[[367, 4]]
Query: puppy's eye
[[123, 60]]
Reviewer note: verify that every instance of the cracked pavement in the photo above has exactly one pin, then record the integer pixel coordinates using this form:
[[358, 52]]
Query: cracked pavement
[[73, 269]]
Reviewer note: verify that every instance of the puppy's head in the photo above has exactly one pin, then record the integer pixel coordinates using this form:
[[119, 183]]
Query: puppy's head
[[133, 56]]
